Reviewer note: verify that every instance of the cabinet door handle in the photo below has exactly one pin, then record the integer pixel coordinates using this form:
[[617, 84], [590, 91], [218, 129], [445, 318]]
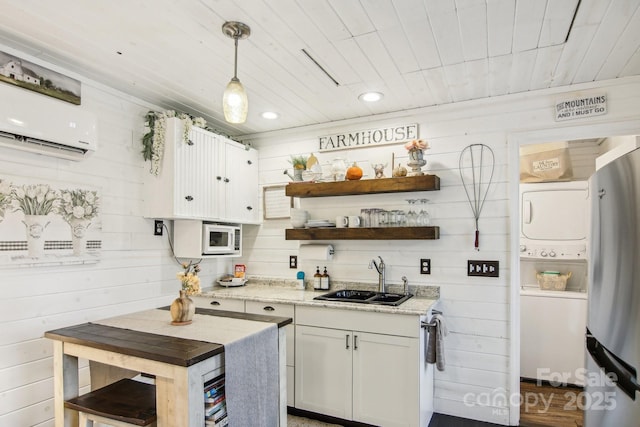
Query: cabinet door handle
[[215, 303], [355, 342], [189, 142], [188, 198], [268, 308], [249, 162], [346, 341], [226, 179], [249, 208], [218, 178]]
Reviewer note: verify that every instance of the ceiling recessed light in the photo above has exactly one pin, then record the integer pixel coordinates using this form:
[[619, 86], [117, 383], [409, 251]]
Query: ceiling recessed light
[[370, 96], [269, 115]]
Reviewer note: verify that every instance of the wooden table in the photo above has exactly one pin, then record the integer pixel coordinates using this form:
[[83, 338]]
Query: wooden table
[[180, 366]]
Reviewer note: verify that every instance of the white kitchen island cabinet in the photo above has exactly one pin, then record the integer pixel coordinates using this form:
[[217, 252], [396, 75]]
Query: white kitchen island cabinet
[[207, 177], [269, 309], [362, 366], [146, 342]]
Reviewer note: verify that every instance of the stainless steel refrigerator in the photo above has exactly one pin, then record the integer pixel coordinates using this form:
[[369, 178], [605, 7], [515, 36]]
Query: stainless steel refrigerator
[[612, 393]]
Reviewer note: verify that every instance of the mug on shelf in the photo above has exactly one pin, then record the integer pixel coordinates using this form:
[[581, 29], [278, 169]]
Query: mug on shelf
[[354, 221], [342, 221], [299, 217]]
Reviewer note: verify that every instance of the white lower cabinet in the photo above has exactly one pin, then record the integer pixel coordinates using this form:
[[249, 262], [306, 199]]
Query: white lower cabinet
[[323, 371], [358, 375], [282, 310], [385, 368]]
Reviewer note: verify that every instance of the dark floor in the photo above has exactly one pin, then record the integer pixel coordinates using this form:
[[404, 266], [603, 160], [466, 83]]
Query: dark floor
[[557, 414], [440, 420]]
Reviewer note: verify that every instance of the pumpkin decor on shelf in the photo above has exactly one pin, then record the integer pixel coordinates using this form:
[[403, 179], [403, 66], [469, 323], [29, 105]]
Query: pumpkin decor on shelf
[[354, 172], [399, 171]]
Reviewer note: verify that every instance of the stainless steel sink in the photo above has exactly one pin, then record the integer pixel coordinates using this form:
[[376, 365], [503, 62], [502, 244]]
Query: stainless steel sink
[[365, 297]]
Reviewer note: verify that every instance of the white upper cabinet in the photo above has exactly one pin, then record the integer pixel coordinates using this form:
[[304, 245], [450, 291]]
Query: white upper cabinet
[[208, 177], [239, 189]]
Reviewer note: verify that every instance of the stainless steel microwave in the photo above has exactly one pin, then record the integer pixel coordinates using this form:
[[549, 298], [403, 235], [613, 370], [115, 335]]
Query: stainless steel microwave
[[221, 239]]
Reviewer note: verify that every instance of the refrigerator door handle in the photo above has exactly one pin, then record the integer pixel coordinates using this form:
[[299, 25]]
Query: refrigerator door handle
[[623, 374]]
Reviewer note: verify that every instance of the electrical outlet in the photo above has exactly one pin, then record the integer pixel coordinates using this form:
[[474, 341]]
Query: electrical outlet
[[293, 261], [157, 228], [483, 268], [425, 266]]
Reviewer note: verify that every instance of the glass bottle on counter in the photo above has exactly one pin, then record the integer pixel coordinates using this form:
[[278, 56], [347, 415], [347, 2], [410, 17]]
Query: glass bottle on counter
[[324, 281], [317, 279]]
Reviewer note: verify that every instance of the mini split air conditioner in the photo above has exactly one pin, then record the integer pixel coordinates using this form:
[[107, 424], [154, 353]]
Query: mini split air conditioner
[[37, 123]]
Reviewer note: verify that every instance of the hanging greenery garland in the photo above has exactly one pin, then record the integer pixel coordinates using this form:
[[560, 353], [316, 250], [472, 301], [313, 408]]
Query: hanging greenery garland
[[153, 141]]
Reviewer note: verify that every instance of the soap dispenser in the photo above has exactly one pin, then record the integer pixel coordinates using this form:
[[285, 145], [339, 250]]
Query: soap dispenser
[[317, 282], [324, 281]]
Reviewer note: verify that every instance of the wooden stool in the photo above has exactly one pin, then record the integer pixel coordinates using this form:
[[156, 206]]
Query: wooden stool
[[121, 404]]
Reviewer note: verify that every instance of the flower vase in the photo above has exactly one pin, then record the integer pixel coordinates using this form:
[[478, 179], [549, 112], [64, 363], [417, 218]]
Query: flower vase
[[416, 161], [79, 234], [36, 225], [182, 310]]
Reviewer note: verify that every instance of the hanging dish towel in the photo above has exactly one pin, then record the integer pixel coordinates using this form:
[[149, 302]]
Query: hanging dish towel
[[435, 342]]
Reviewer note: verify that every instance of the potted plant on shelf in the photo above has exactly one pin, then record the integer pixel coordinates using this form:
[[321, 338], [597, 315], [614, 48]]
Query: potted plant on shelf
[[416, 149], [299, 164]]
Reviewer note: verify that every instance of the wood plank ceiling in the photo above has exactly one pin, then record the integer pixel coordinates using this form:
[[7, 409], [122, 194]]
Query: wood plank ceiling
[[417, 52]]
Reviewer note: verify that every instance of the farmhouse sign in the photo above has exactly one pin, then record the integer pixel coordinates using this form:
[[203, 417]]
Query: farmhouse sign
[[581, 107], [369, 137]]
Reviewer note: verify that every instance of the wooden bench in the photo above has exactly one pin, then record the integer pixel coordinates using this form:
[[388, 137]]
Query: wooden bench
[[124, 403]]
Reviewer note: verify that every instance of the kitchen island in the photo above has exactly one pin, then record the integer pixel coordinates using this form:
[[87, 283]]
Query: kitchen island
[[181, 358]]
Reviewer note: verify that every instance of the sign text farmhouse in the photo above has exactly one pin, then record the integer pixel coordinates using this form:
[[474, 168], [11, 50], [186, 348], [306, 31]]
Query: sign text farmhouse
[[368, 138]]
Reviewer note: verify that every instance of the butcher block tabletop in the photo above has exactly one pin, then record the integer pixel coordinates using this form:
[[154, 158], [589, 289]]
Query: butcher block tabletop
[[162, 348]]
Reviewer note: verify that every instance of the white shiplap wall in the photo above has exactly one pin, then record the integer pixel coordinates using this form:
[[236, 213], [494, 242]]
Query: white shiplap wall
[[135, 272], [482, 368]]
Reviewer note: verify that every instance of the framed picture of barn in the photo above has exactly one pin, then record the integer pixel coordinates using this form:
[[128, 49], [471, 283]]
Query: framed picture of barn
[[25, 74]]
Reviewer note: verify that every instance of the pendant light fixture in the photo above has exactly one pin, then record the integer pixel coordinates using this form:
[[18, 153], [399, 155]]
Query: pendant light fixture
[[234, 102]]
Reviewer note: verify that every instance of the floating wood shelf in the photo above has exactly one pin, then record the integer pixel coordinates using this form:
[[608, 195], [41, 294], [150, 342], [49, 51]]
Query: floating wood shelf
[[380, 233], [365, 186]]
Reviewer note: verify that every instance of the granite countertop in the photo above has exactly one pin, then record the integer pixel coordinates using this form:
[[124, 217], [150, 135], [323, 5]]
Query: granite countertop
[[280, 291]]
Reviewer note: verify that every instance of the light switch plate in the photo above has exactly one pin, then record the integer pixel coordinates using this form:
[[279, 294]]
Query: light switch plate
[[483, 268]]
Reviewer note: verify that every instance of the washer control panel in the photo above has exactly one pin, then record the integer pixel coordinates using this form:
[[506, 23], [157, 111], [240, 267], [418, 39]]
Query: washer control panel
[[553, 251]]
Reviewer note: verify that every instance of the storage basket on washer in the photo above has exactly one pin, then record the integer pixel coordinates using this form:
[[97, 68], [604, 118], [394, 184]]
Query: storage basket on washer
[[552, 280]]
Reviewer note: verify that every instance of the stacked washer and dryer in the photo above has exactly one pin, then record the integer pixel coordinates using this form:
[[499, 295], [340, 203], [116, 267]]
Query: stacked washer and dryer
[[554, 239]]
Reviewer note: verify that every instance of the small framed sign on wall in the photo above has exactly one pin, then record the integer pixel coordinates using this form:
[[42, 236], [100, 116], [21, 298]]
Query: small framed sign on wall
[[276, 204]]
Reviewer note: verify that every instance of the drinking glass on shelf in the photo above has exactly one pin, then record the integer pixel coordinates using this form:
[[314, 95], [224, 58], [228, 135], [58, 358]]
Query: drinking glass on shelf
[[412, 218], [424, 219], [365, 214], [374, 217]]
